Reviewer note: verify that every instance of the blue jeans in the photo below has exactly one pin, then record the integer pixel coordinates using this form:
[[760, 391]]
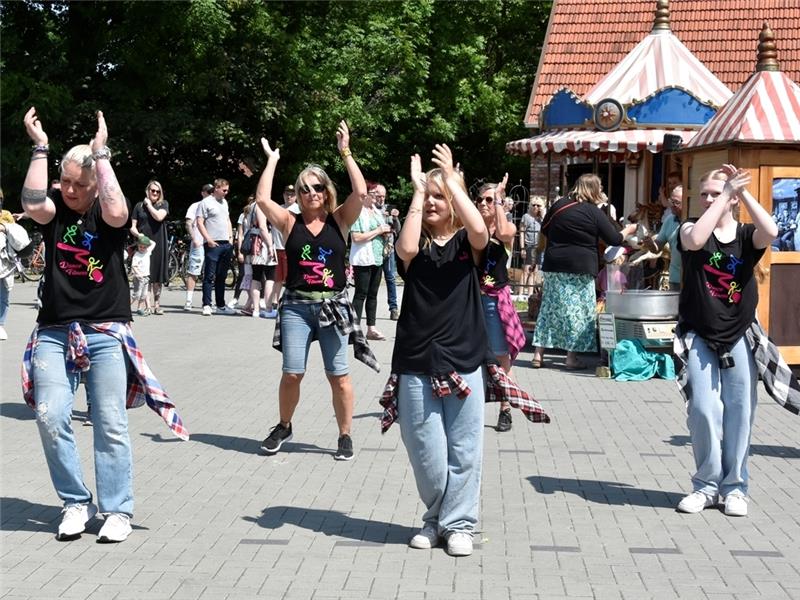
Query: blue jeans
[[494, 326], [106, 390], [444, 441], [218, 261], [722, 405], [299, 327], [389, 272], [6, 283]]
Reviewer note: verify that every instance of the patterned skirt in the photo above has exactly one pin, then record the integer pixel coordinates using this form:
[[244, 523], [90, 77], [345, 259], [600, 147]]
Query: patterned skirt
[[567, 315]]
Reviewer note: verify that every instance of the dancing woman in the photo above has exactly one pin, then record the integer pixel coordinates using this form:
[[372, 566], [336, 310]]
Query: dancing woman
[[315, 304]]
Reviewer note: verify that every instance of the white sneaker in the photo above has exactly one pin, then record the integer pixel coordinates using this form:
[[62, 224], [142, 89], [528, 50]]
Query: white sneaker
[[3, 334], [206, 311], [232, 303], [226, 310], [117, 528], [426, 538], [73, 523], [696, 502], [188, 305], [459, 543], [735, 505]]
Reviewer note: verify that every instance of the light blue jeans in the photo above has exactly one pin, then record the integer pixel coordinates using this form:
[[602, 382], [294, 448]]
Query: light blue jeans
[[299, 327], [106, 389], [6, 283], [722, 405], [444, 440]]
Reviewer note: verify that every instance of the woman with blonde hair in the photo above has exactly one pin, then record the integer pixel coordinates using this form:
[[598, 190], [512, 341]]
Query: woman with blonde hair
[[315, 304], [574, 226], [149, 218], [719, 341]]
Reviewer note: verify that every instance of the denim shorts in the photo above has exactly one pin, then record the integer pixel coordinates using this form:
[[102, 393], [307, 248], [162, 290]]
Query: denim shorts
[[196, 256], [494, 327], [299, 327]]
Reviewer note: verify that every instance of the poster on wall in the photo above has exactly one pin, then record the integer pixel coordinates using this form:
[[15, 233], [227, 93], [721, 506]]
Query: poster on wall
[[786, 213]]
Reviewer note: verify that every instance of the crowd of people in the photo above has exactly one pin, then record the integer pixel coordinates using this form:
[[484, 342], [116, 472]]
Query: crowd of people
[[458, 330]]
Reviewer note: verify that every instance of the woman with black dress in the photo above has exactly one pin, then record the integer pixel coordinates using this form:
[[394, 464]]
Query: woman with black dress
[[149, 218]]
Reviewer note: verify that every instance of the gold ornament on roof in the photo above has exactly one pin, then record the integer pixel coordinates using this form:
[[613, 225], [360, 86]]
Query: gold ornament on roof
[[661, 22], [767, 50]]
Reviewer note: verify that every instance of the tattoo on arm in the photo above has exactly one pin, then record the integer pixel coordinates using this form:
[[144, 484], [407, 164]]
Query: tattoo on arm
[[107, 184], [33, 198]]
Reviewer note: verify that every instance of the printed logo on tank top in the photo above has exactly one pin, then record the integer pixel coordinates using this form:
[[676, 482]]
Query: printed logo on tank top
[[312, 262], [721, 273], [75, 256], [487, 280]]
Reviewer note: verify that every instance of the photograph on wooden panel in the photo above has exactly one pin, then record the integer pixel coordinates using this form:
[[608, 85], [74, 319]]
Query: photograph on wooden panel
[[786, 213]]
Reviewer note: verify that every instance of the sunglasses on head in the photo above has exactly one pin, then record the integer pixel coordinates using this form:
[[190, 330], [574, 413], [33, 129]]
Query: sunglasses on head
[[317, 187], [484, 199]]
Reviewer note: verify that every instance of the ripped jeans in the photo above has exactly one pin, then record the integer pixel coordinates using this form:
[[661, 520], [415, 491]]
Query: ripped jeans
[[106, 389]]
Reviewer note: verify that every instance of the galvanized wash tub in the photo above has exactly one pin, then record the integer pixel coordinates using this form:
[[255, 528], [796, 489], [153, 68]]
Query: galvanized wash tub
[[643, 305]]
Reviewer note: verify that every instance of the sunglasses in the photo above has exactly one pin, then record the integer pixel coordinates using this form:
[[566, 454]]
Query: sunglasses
[[486, 199], [317, 187], [154, 191]]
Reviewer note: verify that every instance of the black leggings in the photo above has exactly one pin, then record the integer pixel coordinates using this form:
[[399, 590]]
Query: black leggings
[[368, 282]]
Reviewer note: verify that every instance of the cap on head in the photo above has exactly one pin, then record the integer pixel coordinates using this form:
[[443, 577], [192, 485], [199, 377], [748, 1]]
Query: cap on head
[[144, 240], [289, 189], [612, 253]]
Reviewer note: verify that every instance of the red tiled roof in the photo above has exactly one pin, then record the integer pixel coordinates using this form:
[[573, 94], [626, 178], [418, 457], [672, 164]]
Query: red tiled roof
[[587, 38]]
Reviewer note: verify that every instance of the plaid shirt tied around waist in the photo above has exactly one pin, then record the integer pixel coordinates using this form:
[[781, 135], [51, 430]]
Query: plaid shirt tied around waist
[[779, 381], [335, 311], [499, 388], [142, 385]]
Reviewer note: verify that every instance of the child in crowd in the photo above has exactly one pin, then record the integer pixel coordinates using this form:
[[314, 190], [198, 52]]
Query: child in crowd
[[140, 269], [612, 276]]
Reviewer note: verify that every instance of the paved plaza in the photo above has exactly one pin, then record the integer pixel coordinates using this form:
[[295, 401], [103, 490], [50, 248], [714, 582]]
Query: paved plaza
[[580, 508]]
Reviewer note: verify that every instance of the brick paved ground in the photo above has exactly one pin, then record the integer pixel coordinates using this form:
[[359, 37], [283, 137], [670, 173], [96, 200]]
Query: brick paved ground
[[580, 508]]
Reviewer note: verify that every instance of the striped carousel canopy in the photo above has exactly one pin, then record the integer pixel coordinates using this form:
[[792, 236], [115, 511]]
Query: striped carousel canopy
[[572, 141], [765, 109]]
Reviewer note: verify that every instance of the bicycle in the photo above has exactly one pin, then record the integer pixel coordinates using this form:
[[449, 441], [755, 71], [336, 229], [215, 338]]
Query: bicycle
[[31, 266]]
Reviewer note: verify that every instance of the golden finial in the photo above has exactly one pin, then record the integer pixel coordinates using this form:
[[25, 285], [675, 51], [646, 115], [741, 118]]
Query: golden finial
[[767, 50], [661, 22]]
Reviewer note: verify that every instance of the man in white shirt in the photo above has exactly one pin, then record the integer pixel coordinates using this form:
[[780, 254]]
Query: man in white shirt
[[194, 264], [214, 224]]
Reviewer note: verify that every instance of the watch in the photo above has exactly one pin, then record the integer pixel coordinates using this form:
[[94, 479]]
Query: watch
[[103, 152]]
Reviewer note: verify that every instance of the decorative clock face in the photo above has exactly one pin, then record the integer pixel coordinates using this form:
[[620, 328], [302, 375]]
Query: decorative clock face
[[608, 114]]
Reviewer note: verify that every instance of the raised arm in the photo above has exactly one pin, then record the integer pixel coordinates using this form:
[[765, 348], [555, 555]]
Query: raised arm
[[34, 198], [113, 206], [766, 229], [277, 215], [503, 229], [407, 244], [348, 212], [465, 210]]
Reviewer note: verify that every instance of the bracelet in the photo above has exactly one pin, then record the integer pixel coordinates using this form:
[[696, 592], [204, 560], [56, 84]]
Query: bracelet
[[498, 203], [41, 149], [42, 156], [345, 152], [103, 152]]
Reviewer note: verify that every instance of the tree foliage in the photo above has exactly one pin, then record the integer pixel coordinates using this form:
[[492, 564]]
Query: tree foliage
[[189, 87]]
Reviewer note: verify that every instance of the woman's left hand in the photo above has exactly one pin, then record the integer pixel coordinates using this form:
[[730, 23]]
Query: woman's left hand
[[343, 135], [101, 137], [500, 190]]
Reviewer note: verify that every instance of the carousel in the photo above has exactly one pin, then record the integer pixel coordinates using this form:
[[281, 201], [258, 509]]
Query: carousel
[[759, 130]]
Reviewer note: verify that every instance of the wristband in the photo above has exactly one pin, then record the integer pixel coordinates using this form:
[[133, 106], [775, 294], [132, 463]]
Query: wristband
[[345, 152], [498, 203], [41, 149], [103, 152]]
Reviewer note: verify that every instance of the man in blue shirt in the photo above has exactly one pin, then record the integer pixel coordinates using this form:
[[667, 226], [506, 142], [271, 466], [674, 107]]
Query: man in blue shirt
[[668, 234]]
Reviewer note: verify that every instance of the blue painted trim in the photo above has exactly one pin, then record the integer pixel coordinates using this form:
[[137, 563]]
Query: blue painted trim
[[671, 106], [565, 109]]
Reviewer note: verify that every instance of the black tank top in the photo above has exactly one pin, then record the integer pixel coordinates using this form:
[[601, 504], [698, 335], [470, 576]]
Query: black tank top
[[494, 273], [316, 263], [441, 327]]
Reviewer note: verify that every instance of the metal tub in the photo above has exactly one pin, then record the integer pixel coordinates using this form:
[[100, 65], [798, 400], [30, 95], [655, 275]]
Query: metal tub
[[643, 305]]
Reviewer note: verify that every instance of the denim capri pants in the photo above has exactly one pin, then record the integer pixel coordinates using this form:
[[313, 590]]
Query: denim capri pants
[[299, 327]]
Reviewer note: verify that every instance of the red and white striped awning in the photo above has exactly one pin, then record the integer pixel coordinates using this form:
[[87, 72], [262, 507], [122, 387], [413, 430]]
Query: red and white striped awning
[[583, 141], [765, 109], [660, 60]]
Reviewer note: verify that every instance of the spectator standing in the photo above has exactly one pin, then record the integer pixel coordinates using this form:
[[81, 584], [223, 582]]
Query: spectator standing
[[196, 252], [389, 266], [149, 218], [290, 203], [214, 224], [140, 269], [529, 230]]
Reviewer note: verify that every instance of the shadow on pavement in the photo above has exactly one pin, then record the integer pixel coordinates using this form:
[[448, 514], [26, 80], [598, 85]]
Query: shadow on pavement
[[371, 415], [612, 493], [755, 449], [17, 410], [333, 523], [239, 444], [17, 514]]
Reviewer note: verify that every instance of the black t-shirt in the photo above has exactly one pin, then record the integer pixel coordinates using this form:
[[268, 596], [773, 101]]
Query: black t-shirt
[[573, 235], [316, 263], [494, 272], [719, 294], [441, 327], [84, 277]]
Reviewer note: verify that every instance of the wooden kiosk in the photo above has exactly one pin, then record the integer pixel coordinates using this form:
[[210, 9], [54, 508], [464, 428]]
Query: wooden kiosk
[[759, 130]]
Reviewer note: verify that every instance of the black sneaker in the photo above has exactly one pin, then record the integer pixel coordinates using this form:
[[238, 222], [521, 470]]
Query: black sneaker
[[504, 420], [276, 437], [345, 450], [394, 314]]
